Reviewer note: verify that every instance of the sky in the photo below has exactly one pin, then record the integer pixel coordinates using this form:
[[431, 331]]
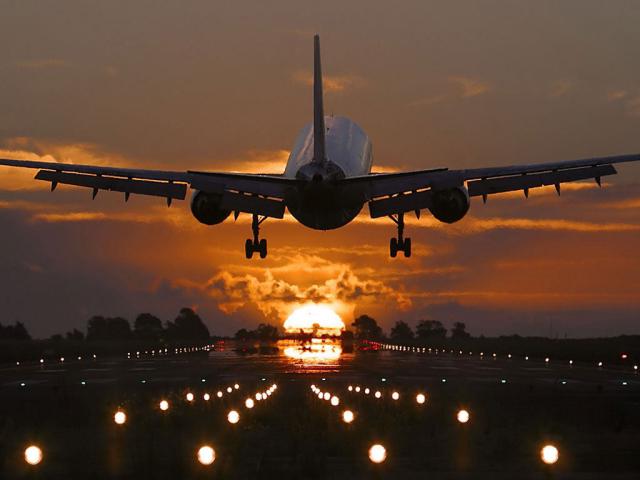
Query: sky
[[225, 86]]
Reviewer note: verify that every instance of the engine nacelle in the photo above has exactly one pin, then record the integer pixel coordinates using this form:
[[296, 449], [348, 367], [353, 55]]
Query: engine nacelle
[[206, 208], [450, 205]]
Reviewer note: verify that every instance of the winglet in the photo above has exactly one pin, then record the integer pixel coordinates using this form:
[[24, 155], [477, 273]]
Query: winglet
[[319, 155]]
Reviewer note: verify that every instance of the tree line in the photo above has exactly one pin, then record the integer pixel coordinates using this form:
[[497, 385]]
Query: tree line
[[366, 327], [186, 326]]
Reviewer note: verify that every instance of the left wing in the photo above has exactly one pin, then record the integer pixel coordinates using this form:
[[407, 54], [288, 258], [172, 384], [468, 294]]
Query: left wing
[[394, 193], [250, 193]]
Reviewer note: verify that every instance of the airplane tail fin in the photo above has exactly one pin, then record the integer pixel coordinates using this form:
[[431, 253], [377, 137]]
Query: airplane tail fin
[[319, 154]]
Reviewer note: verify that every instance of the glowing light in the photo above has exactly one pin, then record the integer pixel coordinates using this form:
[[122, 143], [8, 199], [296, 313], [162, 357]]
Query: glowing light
[[249, 403], [206, 455], [549, 454], [327, 396], [189, 397], [357, 389], [164, 405], [320, 395], [219, 394], [377, 394], [315, 319], [206, 397], [350, 388], [347, 416], [395, 395], [463, 416], [120, 417], [420, 398], [377, 453], [314, 352], [335, 401], [258, 396], [366, 391], [236, 386], [599, 364], [233, 417], [33, 455], [229, 389]]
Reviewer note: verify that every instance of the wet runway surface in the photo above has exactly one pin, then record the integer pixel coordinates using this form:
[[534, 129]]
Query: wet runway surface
[[515, 406]]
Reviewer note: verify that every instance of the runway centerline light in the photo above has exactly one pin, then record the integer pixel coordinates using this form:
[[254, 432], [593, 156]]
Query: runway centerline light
[[549, 454], [420, 398], [33, 455], [233, 417], [347, 416], [377, 453], [164, 405], [206, 455], [249, 403], [120, 417], [463, 416]]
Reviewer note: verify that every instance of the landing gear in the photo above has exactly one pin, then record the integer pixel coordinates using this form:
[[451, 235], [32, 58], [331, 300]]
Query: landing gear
[[400, 243], [256, 245]]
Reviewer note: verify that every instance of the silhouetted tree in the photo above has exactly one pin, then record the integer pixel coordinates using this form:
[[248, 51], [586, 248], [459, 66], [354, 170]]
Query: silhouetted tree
[[147, 326], [14, 332], [97, 328], [459, 331], [401, 331], [346, 335], [75, 334], [266, 332], [431, 330], [243, 334], [100, 328], [187, 326], [366, 328]]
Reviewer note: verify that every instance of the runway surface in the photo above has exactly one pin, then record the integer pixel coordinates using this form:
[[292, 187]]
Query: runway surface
[[516, 406]]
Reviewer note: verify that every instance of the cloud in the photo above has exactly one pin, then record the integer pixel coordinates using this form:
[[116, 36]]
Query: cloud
[[469, 87], [561, 88], [615, 95], [42, 63], [331, 83]]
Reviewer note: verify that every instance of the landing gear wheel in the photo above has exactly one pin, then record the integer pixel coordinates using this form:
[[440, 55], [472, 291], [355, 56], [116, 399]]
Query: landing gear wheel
[[262, 248], [248, 248], [393, 247], [407, 247]]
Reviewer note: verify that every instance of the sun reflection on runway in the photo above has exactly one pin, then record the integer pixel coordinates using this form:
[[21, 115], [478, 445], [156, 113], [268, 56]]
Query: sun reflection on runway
[[315, 351]]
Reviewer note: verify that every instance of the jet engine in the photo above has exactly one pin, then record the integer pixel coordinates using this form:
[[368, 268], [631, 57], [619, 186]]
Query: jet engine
[[450, 205], [206, 208]]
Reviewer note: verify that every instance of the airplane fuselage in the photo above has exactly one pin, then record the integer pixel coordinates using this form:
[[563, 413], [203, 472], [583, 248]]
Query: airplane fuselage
[[321, 203]]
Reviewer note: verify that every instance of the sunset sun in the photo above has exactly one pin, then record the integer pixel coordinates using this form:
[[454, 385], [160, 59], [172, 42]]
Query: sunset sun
[[315, 319]]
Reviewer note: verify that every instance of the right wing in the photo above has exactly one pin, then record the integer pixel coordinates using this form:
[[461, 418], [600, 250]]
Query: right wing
[[250, 193]]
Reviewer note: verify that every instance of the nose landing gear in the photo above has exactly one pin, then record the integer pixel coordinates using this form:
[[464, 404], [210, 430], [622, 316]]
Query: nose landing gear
[[256, 245], [400, 243]]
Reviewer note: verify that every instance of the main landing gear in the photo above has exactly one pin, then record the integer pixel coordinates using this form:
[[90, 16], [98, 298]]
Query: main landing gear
[[400, 243], [256, 245]]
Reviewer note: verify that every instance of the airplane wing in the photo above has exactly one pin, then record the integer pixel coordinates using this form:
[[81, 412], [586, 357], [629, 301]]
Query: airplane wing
[[250, 193], [395, 193]]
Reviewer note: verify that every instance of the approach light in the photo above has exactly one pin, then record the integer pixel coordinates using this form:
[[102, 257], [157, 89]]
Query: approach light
[[347, 416], [233, 417], [189, 397], [546, 360], [120, 417], [377, 453], [366, 391], [599, 364], [164, 405], [219, 394], [377, 394], [549, 454], [206, 397], [236, 386], [206, 455], [357, 389], [258, 396], [463, 416], [33, 455], [327, 396], [229, 389], [350, 388], [395, 395], [320, 395], [335, 401], [249, 403], [420, 398]]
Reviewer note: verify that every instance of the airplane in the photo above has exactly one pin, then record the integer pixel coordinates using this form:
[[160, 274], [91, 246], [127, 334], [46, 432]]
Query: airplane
[[326, 182]]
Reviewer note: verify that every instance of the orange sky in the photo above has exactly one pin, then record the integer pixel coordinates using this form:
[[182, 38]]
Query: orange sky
[[203, 86]]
